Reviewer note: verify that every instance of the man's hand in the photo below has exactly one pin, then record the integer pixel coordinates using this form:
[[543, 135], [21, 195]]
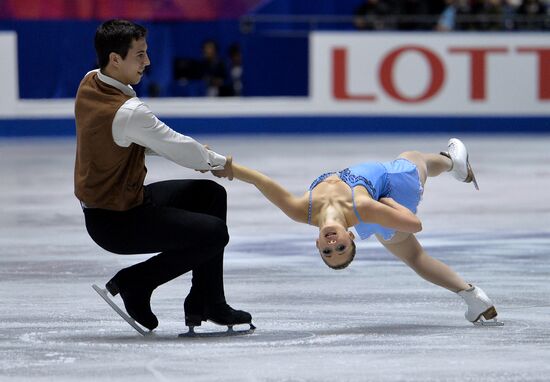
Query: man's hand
[[227, 171], [203, 171]]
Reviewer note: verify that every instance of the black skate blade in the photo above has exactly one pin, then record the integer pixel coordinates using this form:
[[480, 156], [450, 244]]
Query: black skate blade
[[105, 296], [228, 333]]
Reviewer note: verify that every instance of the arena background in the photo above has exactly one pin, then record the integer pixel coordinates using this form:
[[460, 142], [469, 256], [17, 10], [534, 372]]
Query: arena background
[[287, 85], [321, 90]]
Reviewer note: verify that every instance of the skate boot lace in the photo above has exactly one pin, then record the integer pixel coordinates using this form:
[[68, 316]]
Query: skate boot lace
[[452, 149]]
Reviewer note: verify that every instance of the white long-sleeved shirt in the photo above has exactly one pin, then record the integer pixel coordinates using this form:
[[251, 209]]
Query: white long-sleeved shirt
[[135, 123]]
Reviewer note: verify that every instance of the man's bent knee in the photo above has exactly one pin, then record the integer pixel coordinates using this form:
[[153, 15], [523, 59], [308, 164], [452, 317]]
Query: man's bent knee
[[219, 233], [216, 188]]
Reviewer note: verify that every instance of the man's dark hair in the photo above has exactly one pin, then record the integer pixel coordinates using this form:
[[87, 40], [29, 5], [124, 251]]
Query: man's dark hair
[[348, 262], [116, 36]]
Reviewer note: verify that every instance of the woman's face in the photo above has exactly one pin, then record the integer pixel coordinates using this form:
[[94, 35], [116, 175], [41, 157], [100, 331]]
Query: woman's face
[[335, 245]]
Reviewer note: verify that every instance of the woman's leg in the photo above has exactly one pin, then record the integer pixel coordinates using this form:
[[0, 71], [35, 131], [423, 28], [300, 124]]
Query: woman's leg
[[428, 165], [406, 247]]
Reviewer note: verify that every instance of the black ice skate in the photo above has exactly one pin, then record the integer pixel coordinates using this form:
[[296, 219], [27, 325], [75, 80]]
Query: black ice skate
[[220, 314], [105, 296], [136, 302]]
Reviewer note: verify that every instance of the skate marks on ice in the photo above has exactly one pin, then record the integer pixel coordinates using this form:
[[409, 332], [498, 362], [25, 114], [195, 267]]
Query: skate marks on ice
[[363, 314], [375, 334], [375, 321], [97, 336], [387, 311]]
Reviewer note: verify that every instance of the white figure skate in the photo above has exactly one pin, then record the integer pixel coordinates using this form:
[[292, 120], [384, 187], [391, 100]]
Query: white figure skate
[[461, 168], [480, 307]]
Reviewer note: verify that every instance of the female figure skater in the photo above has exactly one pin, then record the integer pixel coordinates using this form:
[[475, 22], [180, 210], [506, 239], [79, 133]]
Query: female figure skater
[[380, 199]]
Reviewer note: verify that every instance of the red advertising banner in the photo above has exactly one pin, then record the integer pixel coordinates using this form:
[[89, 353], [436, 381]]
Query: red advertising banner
[[420, 73]]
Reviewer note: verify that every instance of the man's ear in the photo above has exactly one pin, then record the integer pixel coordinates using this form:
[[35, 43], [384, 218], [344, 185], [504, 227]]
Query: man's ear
[[351, 235], [317, 243], [115, 58]]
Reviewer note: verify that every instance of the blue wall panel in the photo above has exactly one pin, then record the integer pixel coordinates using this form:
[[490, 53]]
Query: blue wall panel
[[54, 56], [304, 125], [275, 65]]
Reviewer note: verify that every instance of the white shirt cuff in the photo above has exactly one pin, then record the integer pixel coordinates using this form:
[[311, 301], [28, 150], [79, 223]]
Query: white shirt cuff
[[217, 161]]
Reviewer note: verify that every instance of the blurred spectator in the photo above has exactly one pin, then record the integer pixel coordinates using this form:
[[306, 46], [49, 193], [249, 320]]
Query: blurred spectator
[[447, 18], [200, 77], [372, 15], [472, 14], [479, 15], [493, 15], [449, 15], [530, 15], [188, 78], [234, 86], [416, 9], [463, 15], [213, 69], [509, 8], [435, 7]]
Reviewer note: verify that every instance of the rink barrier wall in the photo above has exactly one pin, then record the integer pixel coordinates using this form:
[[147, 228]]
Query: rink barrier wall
[[303, 125]]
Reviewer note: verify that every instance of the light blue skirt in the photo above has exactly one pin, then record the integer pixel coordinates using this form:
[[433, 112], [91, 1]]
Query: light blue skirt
[[398, 180]]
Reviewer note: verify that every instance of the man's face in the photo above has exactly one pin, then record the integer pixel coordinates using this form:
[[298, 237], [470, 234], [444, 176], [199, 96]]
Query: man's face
[[132, 67], [209, 51]]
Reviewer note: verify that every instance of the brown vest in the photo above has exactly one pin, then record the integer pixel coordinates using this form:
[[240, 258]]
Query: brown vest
[[106, 175]]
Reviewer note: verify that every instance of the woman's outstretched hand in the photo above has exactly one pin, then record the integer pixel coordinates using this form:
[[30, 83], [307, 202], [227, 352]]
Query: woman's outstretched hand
[[227, 171]]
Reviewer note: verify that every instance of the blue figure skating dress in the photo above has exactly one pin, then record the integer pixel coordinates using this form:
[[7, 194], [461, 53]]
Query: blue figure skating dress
[[397, 179]]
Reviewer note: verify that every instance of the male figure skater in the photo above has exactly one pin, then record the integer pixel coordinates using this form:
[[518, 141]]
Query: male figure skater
[[184, 221]]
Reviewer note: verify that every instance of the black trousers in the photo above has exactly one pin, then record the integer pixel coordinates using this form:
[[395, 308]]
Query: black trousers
[[184, 220]]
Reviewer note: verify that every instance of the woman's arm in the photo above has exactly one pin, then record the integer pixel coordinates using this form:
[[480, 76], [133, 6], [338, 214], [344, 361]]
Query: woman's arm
[[292, 206], [388, 213]]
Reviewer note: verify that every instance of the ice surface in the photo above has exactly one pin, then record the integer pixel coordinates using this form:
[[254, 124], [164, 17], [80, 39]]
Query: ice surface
[[375, 321]]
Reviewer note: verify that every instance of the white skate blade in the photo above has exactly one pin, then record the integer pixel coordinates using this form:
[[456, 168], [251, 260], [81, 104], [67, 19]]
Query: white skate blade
[[104, 295], [471, 172], [493, 322], [228, 333]]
